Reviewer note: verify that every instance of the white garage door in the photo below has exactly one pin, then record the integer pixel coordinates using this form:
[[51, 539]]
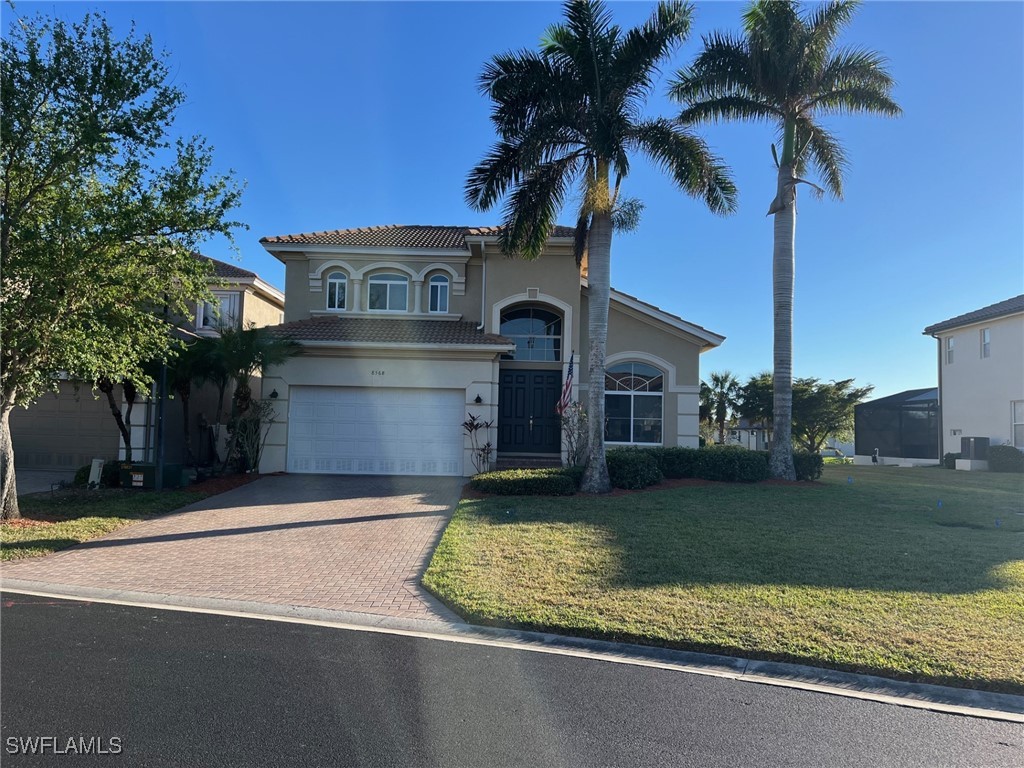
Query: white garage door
[[370, 431]]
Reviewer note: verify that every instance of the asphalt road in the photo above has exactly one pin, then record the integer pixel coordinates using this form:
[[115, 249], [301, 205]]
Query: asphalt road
[[181, 689]]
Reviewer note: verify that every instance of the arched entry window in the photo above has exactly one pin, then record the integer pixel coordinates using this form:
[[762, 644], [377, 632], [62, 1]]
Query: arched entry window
[[633, 404], [537, 333]]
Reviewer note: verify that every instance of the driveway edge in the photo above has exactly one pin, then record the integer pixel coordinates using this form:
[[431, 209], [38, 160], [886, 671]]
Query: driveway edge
[[937, 698]]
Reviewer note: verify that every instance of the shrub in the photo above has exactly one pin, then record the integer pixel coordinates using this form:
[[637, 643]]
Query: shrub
[[808, 466], [837, 460], [110, 477], [732, 464], [676, 463], [529, 482], [1005, 458], [949, 460], [631, 469]]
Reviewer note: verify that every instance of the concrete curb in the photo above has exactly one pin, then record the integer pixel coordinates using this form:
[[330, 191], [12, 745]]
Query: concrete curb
[[937, 698]]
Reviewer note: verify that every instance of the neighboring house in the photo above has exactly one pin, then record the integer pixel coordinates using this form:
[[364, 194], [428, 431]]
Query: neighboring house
[[904, 428], [69, 428], [408, 330], [749, 434], [981, 375]]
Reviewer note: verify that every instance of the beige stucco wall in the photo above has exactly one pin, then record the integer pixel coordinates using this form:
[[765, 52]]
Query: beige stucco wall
[[632, 338], [474, 373], [258, 310], [64, 430], [976, 393]]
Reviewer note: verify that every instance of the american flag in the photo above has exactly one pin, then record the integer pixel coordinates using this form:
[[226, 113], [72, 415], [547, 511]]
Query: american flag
[[564, 400]]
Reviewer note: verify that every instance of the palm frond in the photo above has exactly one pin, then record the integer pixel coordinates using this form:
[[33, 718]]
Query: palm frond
[[854, 100], [642, 48], [825, 153], [490, 179], [533, 205], [582, 234], [828, 20], [729, 108], [723, 67], [855, 66], [687, 159]]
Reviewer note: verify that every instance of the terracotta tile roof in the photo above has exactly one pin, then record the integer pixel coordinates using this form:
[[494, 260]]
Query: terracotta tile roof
[[225, 270], [386, 331], [991, 312], [398, 236]]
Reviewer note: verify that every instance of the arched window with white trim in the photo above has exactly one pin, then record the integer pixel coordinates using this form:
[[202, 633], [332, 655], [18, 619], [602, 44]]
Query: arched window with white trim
[[536, 332], [388, 292], [337, 288], [633, 404], [438, 300]]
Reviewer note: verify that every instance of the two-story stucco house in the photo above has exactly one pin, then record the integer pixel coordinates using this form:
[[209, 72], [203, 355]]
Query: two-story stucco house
[[408, 330], [981, 375], [67, 429]]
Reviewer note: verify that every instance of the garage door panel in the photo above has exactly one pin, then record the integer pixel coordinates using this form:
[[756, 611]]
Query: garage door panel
[[349, 430]]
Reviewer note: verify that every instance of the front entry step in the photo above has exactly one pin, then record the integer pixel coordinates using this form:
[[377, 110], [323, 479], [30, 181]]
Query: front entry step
[[528, 462]]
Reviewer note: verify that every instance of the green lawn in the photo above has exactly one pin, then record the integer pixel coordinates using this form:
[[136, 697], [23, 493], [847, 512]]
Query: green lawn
[[863, 571], [57, 521]]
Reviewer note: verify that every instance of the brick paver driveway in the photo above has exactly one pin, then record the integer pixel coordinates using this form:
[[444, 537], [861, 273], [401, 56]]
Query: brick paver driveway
[[318, 541]]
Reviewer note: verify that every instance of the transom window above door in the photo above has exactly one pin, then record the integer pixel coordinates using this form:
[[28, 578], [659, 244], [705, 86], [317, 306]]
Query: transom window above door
[[389, 292], [337, 284], [537, 334]]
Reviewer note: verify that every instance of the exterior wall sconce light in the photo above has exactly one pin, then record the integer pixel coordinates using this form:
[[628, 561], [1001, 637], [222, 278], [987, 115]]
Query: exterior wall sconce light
[[273, 395], [478, 399]]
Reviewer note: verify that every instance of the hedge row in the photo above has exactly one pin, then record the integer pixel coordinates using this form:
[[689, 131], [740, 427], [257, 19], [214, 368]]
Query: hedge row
[[1005, 458], [633, 468], [529, 482]]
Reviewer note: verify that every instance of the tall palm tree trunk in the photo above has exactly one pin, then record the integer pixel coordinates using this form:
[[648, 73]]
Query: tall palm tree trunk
[[599, 259], [783, 259]]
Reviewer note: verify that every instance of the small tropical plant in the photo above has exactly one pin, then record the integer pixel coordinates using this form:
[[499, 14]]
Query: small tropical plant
[[575, 426], [481, 453], [786, 70]]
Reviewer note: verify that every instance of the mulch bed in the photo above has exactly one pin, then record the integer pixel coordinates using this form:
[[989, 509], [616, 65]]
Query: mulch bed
[[216, 485]]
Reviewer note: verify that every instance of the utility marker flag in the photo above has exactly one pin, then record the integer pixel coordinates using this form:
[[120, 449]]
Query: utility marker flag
[[564, 400]]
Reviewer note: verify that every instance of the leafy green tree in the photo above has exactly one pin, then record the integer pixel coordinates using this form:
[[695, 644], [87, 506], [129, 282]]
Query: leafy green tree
[[820, 409], [724, 392], [824, 409], [569, 118], [788, 71], [101, 211]]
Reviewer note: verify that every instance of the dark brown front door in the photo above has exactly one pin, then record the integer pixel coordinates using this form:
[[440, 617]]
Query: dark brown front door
[[527, 422]]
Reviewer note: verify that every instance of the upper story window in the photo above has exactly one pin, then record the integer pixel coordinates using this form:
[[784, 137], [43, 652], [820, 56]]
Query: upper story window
[[1018, 423], [222, 312], [633, 404], [389, 292], [949, 351], [986, 342], [536, 332], [337, 285], [438, 293]]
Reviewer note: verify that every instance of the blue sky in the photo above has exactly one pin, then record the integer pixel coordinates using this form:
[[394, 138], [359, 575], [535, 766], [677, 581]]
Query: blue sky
[[355, 114]]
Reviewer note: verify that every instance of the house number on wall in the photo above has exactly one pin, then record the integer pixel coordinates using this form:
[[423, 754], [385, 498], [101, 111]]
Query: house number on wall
[[376, 373]]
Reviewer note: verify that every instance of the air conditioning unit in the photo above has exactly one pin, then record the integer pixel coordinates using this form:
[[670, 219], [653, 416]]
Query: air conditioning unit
[[974, 448]]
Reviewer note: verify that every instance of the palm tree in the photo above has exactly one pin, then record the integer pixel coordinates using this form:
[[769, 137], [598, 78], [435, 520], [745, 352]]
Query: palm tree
[[787, 71], [241, 354], [723, 394], [569, 117]]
